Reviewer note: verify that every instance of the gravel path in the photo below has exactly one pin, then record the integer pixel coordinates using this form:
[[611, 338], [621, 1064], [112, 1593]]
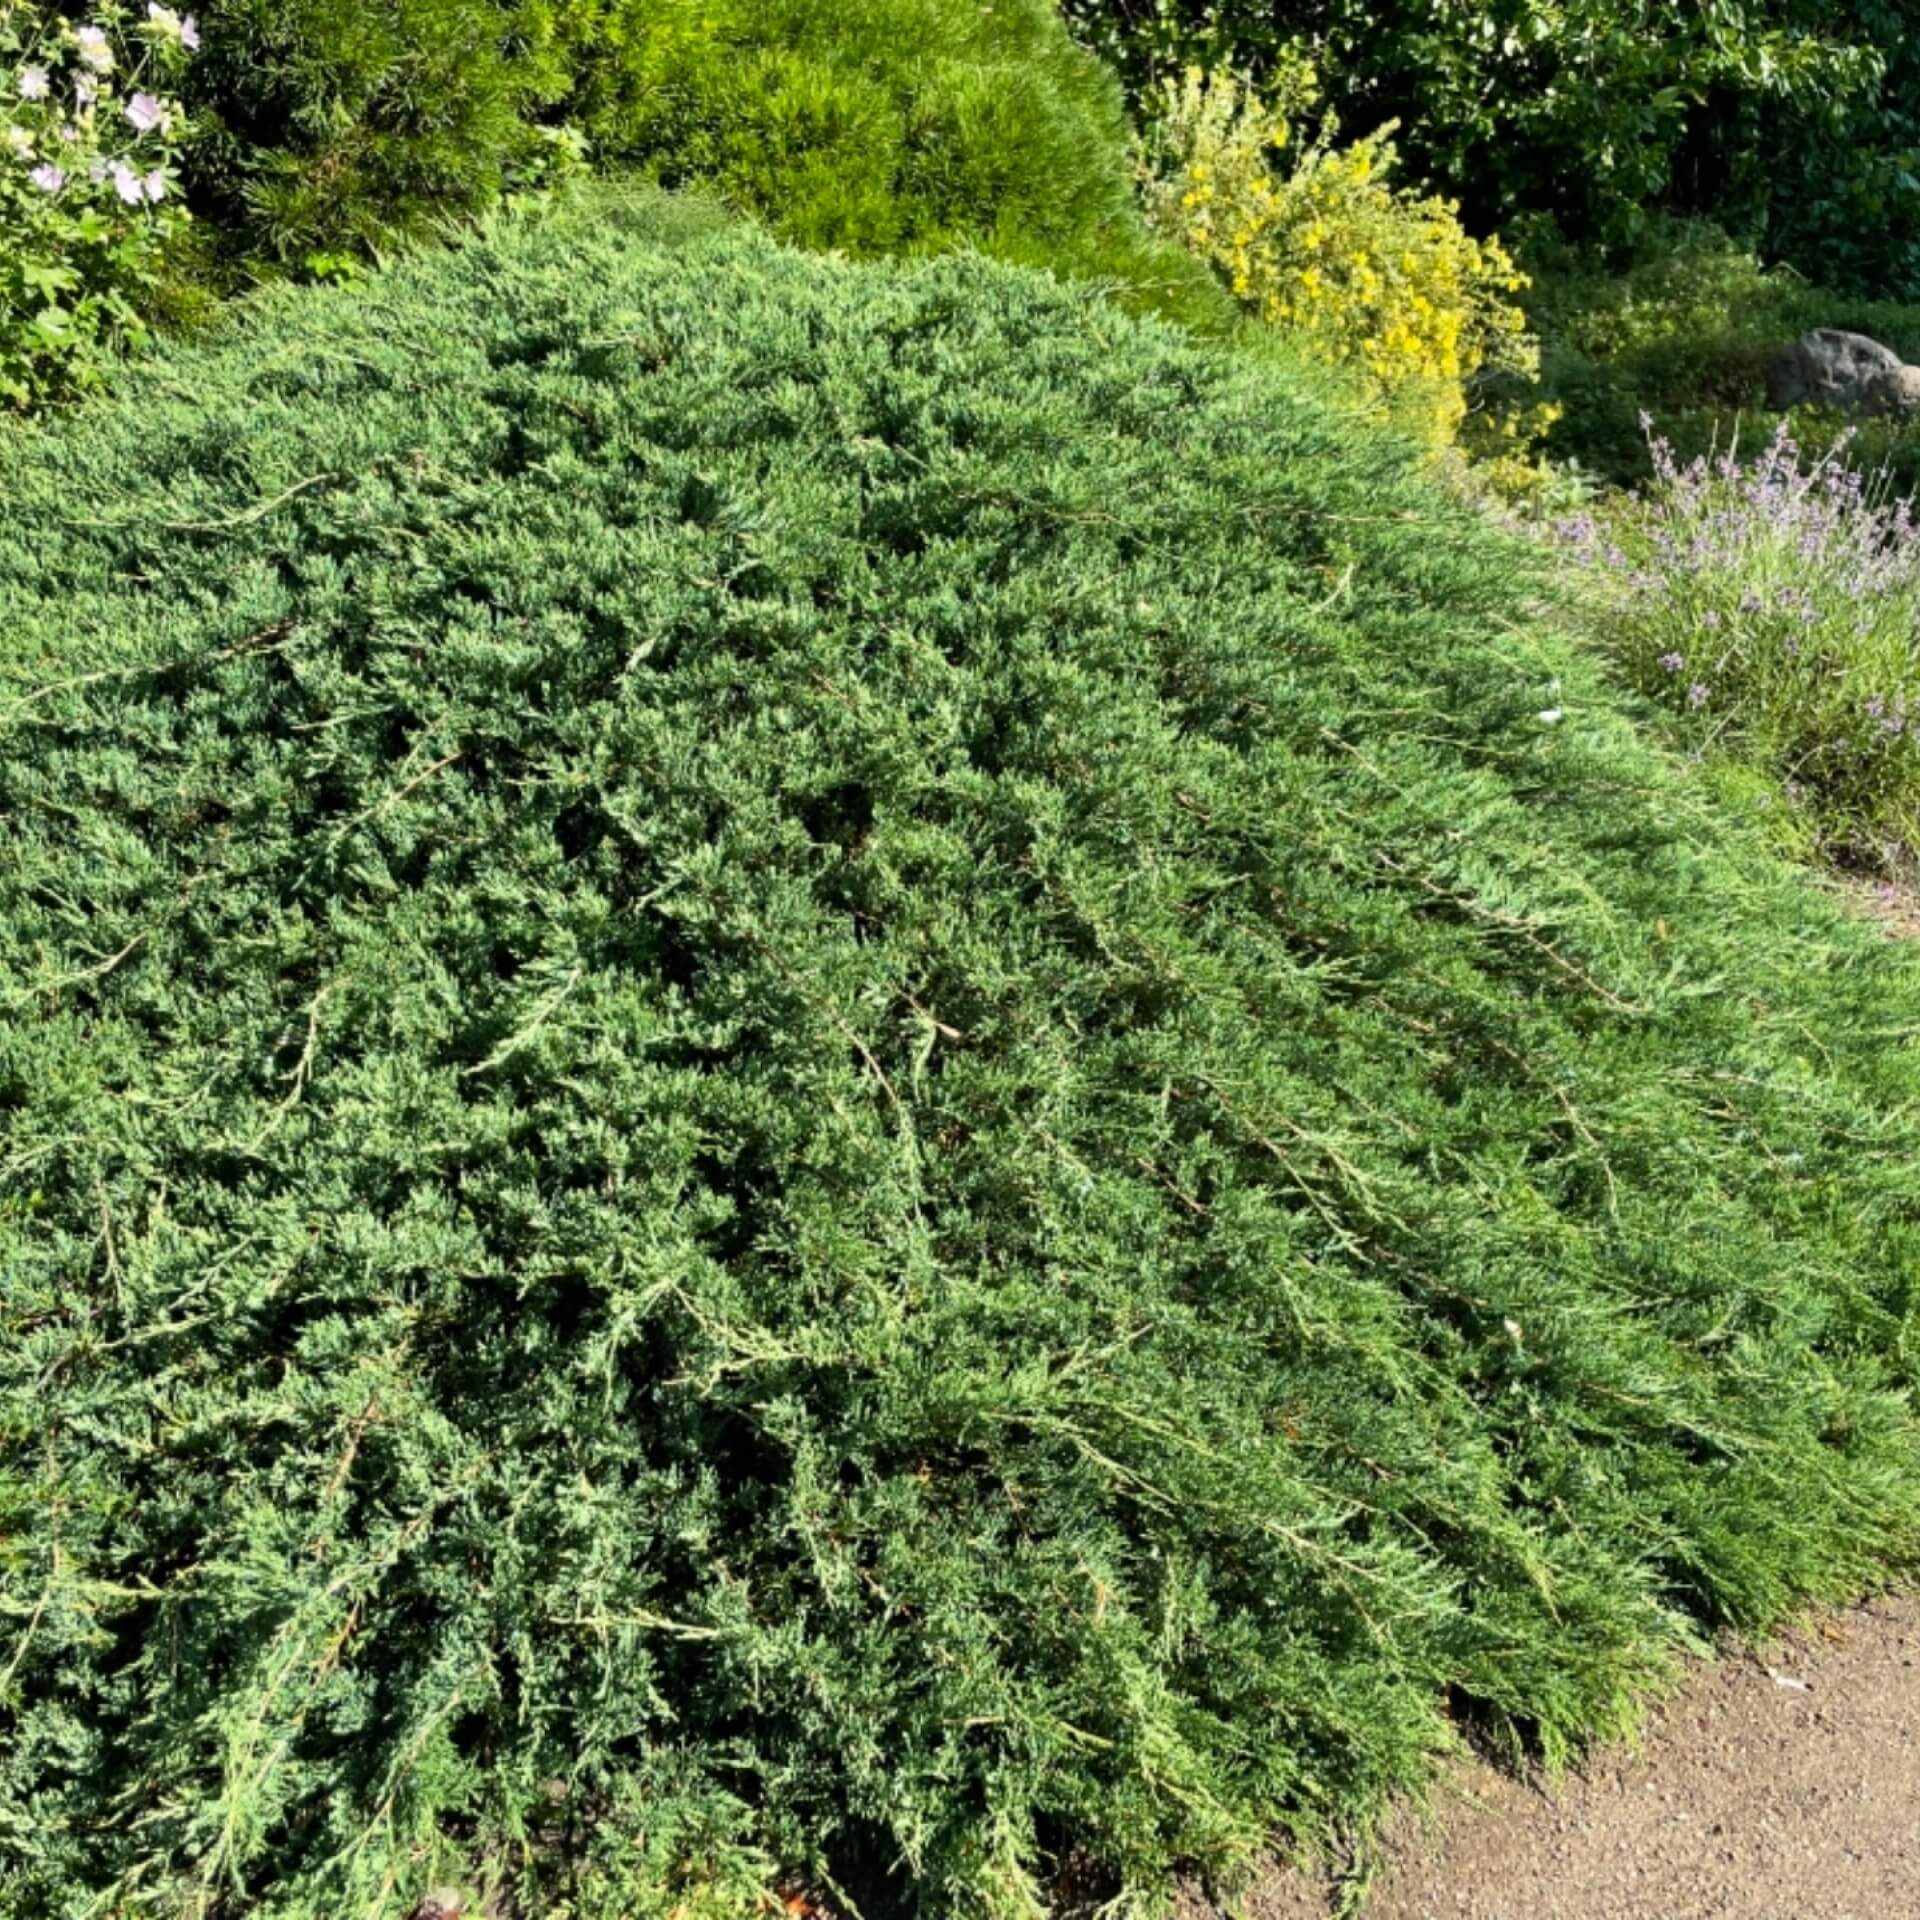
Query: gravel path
[[1782, 1784]]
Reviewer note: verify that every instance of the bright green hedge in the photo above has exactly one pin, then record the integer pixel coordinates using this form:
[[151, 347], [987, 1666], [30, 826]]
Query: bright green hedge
[[874, 126], [879, 126], [828, 1069]]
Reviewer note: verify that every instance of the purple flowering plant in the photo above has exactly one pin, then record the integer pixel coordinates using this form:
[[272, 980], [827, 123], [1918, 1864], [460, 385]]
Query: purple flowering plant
[[1771, 607], [90, 136]]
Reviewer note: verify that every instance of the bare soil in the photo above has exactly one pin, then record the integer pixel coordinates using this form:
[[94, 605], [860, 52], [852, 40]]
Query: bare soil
[[1895, 902], [1779, 1783]]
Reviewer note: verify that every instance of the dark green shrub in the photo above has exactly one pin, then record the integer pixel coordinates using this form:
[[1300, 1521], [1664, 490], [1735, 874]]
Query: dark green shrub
[[842, 1068], [336, 124], [1844, 205]]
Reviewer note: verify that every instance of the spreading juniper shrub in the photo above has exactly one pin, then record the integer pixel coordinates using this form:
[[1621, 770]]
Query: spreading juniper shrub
[[841, 1072]]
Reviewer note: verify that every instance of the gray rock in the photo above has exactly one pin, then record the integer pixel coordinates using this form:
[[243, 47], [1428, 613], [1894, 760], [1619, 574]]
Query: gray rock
[[1845, 371]]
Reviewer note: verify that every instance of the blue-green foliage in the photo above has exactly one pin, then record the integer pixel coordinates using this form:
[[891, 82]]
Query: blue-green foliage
[[834, 1068]]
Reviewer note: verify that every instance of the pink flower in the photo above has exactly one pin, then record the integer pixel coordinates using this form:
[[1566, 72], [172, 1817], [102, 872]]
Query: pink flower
[[48, 178], [126, 183], [145, 113], [92, 43], [155, 186], [32, 83], [168, 25]]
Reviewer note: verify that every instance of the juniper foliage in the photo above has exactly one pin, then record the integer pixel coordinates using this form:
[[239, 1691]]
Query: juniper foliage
[[810, 1068]]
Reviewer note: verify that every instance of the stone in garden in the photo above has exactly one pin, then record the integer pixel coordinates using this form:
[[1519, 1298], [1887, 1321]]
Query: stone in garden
[[1845, 371]]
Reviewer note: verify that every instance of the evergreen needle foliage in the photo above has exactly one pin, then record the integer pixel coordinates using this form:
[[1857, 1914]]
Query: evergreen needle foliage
[[831, 1069], [872, 126], [885, 126]]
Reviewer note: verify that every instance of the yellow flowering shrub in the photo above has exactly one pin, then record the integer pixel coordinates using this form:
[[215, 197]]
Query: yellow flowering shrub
[[1316, 238]]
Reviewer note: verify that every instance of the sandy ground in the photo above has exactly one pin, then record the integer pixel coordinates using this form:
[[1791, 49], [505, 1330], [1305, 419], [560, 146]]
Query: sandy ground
[[1781, 1783], [1894, 903]]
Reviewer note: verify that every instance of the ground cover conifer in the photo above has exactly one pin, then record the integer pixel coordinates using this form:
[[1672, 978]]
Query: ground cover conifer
[[844, 1071]]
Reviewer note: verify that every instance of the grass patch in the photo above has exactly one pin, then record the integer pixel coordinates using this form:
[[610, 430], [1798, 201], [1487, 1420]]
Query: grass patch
[[847, 1070]]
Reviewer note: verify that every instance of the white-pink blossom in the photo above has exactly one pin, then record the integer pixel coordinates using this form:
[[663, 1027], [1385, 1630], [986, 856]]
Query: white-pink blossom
[[168, 25]]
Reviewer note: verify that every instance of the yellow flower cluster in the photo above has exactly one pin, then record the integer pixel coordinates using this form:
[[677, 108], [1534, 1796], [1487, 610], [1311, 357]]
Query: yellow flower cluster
[[1322, 242]]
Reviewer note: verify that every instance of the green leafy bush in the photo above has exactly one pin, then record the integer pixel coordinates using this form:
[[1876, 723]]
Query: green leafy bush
[[89, 218], [1844, 205], [1792, 122], [843, 1069], [1683, 330]]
